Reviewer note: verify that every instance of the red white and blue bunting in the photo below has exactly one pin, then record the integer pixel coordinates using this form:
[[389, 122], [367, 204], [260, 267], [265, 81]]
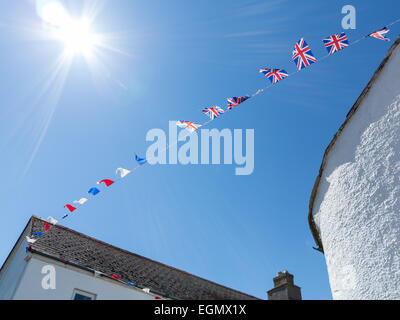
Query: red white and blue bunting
[[302, 56]]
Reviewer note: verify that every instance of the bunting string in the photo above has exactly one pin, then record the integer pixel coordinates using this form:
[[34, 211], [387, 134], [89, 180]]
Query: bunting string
[[302, 57]]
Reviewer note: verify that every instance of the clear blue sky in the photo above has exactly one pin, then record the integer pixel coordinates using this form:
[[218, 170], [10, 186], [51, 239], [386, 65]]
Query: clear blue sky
[[58, 138]]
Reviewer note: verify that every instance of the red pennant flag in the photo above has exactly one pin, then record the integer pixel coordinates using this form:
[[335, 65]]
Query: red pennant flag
[[70, 208], [46, 226], [107, 182], [115, 277], [158, 298]]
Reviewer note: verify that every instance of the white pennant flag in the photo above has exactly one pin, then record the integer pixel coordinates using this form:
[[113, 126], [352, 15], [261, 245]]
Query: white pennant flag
[[147, 290], [81, 201], [52, 220], [123, 172], [97, 273], [30, 240]]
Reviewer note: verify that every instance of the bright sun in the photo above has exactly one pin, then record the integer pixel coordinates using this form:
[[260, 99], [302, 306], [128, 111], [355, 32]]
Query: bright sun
[[77, 37], [75, 34]]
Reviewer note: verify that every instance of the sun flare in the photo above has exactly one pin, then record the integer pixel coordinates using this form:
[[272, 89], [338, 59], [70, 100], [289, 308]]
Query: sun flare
[[77, 37], [74, 34]]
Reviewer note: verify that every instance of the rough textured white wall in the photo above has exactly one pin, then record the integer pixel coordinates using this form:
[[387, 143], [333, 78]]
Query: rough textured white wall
[[67, 279], [357, 206]]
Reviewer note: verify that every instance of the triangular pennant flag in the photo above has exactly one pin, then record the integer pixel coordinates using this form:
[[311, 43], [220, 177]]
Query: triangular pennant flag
[[107, 182], [115, 277], [70, 208], [38, 234], [97, 273], [52, 220], [139, 160], [123, 172], [380, 34], [147, 290], [93, 191], [46, 226], [81, 201], [30, 240]]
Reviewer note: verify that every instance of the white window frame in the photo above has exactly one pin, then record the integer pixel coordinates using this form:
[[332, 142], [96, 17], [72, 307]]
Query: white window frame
[[90, 295]]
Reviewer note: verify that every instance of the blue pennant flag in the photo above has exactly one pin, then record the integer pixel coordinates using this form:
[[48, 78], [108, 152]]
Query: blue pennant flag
[[94, 191], [141, 161], [39, 234]]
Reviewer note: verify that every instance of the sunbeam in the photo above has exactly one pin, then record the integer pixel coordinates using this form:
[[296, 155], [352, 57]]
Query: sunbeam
[[79, 41]]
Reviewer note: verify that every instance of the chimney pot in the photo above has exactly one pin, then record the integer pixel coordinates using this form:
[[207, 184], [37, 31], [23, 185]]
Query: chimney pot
[[284, 288]]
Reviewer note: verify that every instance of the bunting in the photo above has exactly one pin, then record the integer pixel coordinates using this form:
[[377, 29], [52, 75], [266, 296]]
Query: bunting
[[302, 56], [52, 220], [123, 172], [274, 75], [93, 191], [107, 182], [81, 201], [46, 226], [70, 208], [191, 126], [30, 240], [213, 112], [336, 42], [140, 161], [235, 101], [380, 34]]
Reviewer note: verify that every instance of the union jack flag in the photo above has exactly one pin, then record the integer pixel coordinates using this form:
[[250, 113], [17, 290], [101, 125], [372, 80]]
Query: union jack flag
[[336, 42], [188, 125], [235, 101], [302, 55], [380, 34], [214, 111], [274, 75]]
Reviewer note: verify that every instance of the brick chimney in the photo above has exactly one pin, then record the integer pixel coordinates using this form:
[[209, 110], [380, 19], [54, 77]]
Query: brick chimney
[[284, 288]]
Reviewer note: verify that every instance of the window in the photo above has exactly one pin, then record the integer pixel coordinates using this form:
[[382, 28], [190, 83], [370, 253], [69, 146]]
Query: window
[[83, 295]]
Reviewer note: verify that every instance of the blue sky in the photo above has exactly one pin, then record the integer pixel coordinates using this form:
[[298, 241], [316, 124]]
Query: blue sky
[[63, 131]]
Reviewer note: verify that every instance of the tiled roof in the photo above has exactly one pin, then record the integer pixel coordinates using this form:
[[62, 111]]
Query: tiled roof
[[79, 249]]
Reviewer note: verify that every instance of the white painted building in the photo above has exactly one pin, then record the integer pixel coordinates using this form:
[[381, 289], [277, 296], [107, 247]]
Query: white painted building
[[64, 264], [354, 211]]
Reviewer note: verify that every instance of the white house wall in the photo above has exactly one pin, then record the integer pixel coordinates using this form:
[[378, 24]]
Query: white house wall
[[12, 271], [69, 278], [357, 206]]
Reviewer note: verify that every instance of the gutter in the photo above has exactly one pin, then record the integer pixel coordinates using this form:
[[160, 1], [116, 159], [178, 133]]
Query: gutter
[[95, 272]]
